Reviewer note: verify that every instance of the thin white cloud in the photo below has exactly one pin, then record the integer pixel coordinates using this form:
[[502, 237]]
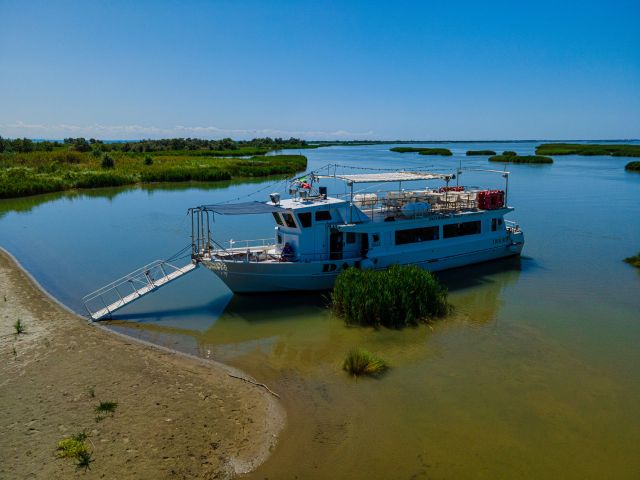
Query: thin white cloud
[[125, 132]]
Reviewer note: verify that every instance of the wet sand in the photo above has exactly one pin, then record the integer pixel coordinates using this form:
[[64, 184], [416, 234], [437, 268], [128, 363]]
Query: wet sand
[[177, 416]]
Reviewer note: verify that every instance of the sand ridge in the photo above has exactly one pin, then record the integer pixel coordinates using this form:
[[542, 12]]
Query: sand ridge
[[177, 417]]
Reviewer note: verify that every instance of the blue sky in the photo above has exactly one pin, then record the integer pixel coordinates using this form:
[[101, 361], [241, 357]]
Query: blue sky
[[320, 70]]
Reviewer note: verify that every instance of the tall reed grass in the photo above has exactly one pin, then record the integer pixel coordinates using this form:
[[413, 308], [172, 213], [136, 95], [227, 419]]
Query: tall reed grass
[[396, 297]]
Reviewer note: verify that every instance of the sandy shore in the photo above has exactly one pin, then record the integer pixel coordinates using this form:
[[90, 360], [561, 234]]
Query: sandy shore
[[177, 417]]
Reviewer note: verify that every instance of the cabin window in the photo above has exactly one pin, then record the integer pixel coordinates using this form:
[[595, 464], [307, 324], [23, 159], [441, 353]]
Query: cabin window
[[415, 235], [288, 219], [351, 237], [323, 215], [277, 218], [460, 229], [494, 224], [375, 239], [305, 219], [279, 239]]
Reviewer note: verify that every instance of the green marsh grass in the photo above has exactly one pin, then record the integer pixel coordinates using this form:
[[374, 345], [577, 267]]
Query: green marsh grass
[[480, 152], [23, 174], [395, 297], [360, 362], [423, 151], [521, 159], [615, 150]]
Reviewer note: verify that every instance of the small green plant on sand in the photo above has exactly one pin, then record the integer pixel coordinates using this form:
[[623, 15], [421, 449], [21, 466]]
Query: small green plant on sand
[[72, 447], [85, 459], [106, 407], [361, 362], [633, 261], [19, 327]]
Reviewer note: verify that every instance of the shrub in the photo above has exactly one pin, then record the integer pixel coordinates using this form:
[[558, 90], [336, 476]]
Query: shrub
[[509, 153], [107, 161], [148, 160], [395, 297], [361, 362]]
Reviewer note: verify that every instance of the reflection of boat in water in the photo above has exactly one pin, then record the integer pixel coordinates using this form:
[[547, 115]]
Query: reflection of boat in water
[[317, 236]]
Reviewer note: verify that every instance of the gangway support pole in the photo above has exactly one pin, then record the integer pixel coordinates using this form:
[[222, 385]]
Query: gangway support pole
[[208, 236], [193, 239], [202, 237]]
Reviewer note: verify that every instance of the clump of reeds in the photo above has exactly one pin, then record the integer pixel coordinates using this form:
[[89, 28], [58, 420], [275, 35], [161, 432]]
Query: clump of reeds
[[362, 362], [395, 297]]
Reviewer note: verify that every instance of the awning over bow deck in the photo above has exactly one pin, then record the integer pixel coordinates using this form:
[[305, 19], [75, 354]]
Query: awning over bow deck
[[246, 208]]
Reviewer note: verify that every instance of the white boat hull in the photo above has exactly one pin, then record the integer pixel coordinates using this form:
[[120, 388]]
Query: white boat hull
[[254, 277]]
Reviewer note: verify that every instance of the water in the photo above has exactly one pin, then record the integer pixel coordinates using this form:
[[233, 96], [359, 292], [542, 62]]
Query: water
[[536, 374]]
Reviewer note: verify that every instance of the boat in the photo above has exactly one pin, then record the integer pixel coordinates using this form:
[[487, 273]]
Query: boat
[[317, 236]]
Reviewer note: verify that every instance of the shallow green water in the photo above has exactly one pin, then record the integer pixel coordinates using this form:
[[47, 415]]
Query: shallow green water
[[536, 374]]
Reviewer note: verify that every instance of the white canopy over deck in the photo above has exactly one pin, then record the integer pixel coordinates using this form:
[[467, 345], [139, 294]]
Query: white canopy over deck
[[397, 176]]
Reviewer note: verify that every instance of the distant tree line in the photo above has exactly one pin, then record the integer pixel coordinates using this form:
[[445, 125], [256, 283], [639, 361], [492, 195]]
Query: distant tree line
[[25, 145]]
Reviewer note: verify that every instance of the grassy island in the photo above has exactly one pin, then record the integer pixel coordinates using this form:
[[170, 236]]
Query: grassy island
[[56, 167], [396, 297], [512, 157], [615, 150], [423, 151], [632, 166], [480, 152]]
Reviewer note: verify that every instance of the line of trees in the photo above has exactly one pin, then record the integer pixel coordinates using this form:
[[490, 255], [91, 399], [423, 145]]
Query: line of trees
[[26, 145]]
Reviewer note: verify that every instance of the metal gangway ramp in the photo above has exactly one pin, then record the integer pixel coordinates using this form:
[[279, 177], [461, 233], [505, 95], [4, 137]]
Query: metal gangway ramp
[[131, 287]]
